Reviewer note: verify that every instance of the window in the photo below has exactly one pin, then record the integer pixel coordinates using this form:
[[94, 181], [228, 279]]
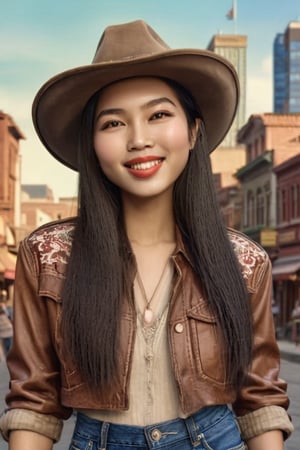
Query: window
[[260, 205], [250, 209], [295, 200], [282, 206], [268, 208]]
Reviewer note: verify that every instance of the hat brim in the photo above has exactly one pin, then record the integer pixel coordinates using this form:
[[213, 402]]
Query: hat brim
[[58, 105]]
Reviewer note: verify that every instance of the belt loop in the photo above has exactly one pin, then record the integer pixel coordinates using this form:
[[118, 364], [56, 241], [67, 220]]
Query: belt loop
[[193, 431], [104, 433]]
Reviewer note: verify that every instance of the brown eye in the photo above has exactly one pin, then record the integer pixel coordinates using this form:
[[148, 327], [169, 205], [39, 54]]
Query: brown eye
[[111, 124], [160, 115]]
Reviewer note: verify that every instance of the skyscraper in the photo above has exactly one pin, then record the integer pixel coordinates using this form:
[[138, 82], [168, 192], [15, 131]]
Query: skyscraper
[[286, 70], [234, 48], [279, 74]]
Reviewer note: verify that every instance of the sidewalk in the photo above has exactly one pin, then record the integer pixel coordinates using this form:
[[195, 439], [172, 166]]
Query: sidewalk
[[289, 351]]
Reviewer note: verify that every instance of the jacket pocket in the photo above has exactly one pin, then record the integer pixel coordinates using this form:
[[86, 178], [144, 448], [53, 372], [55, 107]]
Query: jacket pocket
[[206, 344], [50, 291]]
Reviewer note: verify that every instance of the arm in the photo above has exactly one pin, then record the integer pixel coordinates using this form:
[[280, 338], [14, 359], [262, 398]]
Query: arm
[[262, 402], [27, 440], [270, 439], [34, 397]]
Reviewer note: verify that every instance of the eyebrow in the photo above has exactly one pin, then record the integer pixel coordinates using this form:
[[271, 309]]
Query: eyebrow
[[151, 103]]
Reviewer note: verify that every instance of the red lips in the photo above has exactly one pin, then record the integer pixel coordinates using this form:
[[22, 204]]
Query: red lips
[[144, 167]]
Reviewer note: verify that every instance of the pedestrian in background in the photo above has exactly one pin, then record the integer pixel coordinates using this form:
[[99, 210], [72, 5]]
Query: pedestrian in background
[[296, 323], [6, 329], [144, 314]]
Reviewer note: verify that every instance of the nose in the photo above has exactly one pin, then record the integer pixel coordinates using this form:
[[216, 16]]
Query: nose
[[139, 137]]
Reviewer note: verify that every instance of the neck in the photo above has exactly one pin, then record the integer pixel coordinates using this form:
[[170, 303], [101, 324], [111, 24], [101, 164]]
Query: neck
[[149, 222]]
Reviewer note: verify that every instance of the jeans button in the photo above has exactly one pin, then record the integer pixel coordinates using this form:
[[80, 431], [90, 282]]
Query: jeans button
[[156, 434]]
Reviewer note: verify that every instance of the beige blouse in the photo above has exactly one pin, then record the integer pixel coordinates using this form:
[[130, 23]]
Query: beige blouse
[[153, 395]]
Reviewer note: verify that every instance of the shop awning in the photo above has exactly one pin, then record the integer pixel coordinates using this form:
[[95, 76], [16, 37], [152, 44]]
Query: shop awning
[[284, 268], [7, 263]]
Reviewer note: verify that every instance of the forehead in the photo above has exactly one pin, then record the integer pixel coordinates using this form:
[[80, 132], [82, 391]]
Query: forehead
[[136, 87]]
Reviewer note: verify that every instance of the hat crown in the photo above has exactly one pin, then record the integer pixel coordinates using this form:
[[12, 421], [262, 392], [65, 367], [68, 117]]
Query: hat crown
[[127, 42]]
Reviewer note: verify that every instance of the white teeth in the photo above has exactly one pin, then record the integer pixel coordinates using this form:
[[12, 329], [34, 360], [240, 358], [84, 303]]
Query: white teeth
[[145, 165]]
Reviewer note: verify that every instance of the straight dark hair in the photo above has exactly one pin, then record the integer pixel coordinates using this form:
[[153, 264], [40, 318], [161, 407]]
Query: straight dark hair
[[97, 277]]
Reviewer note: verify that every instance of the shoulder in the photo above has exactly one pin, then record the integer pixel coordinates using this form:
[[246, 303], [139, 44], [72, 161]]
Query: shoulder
[[52, 241], [253, 259]]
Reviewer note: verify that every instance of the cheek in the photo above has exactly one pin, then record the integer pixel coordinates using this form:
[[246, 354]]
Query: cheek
[[104, 150], [178, 137]]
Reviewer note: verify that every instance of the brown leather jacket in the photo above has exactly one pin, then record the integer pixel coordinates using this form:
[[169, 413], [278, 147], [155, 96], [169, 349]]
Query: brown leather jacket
[[44, 380]]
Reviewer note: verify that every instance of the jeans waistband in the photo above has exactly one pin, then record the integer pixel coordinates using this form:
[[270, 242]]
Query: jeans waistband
[[152, 435]]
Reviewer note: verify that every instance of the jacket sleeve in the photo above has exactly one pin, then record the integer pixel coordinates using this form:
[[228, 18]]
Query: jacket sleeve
[[33, 364], [262, 402]]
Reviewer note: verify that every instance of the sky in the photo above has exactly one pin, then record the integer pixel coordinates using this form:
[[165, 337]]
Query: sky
[[40, 38]]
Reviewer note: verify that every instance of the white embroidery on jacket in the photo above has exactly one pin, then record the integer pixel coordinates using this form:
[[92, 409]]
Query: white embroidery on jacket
[[53, 243], [249, 254]]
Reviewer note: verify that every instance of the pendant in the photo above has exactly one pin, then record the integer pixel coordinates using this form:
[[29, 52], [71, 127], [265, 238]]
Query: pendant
[[148, 315]]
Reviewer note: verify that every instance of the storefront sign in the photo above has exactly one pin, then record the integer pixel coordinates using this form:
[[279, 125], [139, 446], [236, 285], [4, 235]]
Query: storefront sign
[[268, 238], [287, 236]]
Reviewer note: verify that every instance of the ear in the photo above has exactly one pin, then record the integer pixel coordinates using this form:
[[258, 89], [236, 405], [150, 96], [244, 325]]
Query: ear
[[194, 133]]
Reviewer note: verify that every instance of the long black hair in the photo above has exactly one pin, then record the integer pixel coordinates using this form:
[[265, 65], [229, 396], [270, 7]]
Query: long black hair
[[97, 279]]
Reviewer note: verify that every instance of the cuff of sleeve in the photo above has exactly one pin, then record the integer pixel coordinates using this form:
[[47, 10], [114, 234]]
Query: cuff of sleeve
[[24, 419], [265, 419]]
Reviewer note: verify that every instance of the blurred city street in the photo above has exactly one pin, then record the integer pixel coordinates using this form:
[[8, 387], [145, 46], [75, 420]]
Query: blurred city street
[[238, 63], [290, 365]]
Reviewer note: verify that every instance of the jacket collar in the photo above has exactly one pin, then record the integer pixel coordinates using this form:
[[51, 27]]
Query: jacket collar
[[180, 248]]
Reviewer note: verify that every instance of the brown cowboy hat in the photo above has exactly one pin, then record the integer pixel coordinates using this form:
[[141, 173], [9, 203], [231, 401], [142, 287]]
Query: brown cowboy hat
[[130, 50]]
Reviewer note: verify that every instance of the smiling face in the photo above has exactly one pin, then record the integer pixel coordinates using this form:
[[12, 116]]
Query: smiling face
[[141, 136]]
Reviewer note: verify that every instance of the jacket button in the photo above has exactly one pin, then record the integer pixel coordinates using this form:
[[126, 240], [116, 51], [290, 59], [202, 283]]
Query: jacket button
[[179, 327]]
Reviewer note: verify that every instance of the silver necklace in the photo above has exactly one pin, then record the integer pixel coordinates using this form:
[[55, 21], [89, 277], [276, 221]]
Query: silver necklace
[[148, 312]]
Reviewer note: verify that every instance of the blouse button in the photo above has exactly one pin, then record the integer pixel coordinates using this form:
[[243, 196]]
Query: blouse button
[[179, 327]]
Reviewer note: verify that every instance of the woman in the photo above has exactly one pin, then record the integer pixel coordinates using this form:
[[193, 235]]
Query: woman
[[147, 317], [6, 329], [296, 323]]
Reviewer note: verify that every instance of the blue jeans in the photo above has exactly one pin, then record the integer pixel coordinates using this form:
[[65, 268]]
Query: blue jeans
[[212, 428]]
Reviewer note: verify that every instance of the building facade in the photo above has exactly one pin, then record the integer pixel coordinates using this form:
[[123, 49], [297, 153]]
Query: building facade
[[270, 140], [286, 70], [225, 162], [270, 190], [286, 267], [279, 74], [10, 162], [230, 202], [23, 209], [38, 206], [233, 47], [10, 136]]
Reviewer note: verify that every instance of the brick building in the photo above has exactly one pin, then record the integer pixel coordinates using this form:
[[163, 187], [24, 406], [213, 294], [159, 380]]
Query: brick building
[[270, 140], [270, 197], [38, 206], [10, 136], [225, 162], [286, 267]]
